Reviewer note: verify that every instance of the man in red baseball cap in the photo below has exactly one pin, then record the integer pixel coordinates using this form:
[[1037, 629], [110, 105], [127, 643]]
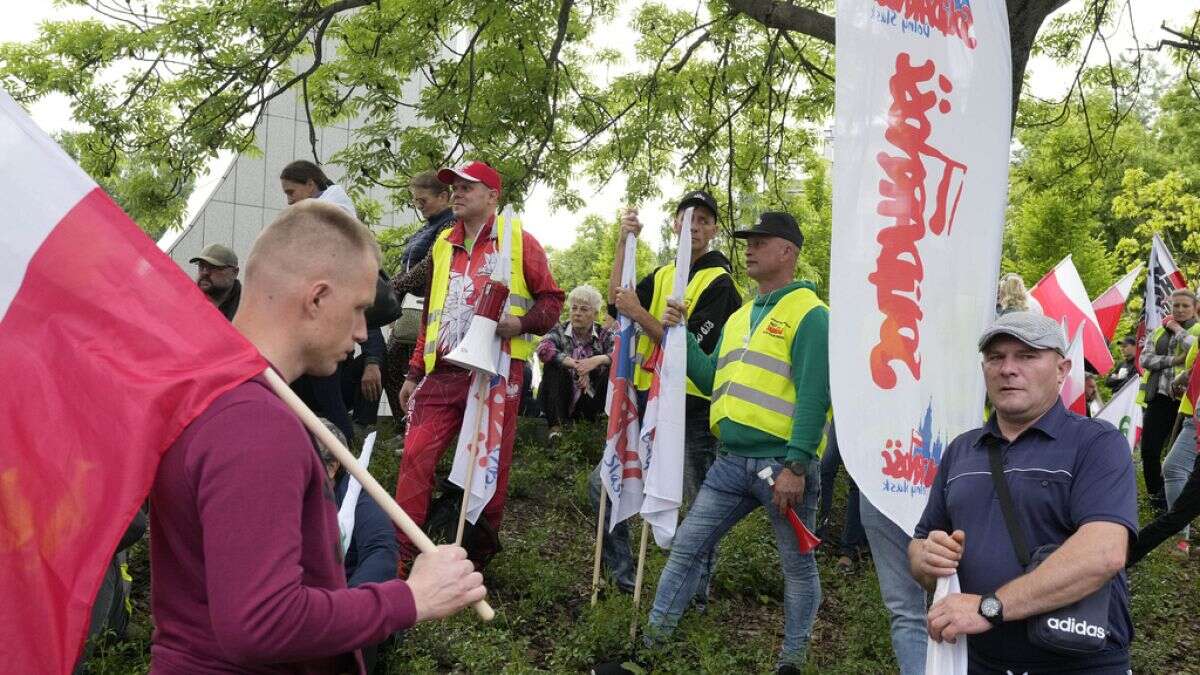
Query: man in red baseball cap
[[472, 172], [435, 391]]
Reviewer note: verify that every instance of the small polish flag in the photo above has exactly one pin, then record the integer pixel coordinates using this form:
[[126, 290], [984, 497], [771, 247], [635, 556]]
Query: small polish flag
[[1110, 305], [1064, 299], [1072, 391]]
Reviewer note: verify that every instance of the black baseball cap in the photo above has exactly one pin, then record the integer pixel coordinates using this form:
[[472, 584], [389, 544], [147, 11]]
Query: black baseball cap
[[774, 224], [699, 198]]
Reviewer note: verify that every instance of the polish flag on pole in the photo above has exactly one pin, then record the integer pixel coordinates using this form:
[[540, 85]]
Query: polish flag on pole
[[1124, 413], [1063, 298], [1072, 391], [621, 465], [663, 425], [1110, 304], [108, 351]]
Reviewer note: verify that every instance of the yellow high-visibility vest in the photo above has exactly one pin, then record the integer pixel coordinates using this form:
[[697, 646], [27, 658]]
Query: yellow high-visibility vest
[[1150, 342], [1187, 407], [519, 298], [753, 383], [664, 285]]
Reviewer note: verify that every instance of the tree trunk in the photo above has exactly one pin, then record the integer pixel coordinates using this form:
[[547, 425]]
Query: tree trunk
[[1025, 18]]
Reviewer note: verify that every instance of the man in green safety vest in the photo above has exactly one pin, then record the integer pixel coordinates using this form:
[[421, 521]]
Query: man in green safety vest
[[769, 379], [712, 296]]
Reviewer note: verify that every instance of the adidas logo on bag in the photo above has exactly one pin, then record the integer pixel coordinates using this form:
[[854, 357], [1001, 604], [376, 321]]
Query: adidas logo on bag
[[1070, 625]]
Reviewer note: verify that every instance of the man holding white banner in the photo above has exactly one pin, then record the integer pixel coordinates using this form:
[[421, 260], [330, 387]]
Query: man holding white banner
[[1042, 572], [769, 378], [712, 296]]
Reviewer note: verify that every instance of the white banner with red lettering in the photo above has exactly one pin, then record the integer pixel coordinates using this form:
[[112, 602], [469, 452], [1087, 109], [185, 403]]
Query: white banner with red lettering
[[920, 184]]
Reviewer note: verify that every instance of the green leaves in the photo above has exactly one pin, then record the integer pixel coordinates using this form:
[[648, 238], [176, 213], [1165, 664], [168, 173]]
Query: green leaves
[[705, 98]]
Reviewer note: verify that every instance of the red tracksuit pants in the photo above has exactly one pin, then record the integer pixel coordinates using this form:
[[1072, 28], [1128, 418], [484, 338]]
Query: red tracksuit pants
[[438, 407]]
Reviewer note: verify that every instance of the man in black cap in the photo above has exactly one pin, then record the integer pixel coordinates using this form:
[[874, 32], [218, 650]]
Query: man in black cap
[[769, 381], [713, 296], [216, 275]]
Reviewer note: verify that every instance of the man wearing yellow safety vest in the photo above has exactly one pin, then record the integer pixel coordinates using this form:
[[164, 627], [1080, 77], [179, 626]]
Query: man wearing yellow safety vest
[[769, 378], [712, 296], [463, 256], [1165, 351]]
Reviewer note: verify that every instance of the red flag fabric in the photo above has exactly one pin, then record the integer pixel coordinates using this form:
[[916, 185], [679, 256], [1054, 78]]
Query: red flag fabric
[[1063, 298], [108, 350], [1110, 305]]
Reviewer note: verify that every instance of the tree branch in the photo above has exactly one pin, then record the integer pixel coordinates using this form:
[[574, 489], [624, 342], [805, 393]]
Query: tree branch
[[786, 16]]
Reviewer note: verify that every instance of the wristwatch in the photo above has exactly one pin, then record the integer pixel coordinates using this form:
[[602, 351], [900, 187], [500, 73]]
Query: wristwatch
[[991, 609], [797, 468]]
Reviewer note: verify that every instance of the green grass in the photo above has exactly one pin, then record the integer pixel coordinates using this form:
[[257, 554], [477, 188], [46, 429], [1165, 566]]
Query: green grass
[[541, 585]]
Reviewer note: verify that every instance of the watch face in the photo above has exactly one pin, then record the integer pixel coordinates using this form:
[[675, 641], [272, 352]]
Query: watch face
[[990, 607]]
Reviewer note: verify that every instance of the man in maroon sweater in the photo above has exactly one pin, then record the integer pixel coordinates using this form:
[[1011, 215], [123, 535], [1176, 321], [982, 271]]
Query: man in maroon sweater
[[245, 563]]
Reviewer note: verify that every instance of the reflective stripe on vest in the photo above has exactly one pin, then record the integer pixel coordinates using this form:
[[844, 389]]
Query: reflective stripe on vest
[[664, 284], [753, 383], [519, 299], [1187, 407]]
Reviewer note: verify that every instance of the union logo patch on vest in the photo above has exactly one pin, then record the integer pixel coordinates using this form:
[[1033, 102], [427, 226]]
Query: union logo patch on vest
[[777, 328]]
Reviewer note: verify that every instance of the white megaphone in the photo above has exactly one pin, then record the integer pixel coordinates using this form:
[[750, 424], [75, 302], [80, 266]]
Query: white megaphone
[[479, 349]]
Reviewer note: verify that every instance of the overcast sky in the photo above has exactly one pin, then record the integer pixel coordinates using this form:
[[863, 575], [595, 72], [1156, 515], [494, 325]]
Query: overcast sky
[[557, 228]]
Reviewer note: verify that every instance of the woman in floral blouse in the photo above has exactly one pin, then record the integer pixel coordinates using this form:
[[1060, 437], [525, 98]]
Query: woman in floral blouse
[[576, 357]]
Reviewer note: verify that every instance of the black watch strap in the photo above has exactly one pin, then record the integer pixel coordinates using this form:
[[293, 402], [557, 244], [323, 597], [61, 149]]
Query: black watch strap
[[798, 468], [992, 602]]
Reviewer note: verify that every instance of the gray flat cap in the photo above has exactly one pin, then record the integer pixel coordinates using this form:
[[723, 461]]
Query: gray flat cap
[[1036, 330]]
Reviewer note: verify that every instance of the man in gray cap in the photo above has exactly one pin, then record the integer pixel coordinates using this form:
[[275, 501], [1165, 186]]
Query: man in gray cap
[[216, 275], [1065, 483]]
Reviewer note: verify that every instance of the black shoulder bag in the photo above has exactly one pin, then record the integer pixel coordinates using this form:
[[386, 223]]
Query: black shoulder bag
[[1078, 628], [386, 307]]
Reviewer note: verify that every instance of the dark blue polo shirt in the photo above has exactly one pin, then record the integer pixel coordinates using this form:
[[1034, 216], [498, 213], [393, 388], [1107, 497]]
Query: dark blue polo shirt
[[1064, 471]]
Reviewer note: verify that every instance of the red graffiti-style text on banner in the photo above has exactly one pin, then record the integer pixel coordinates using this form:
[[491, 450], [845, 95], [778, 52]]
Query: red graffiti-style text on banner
[[898, 269]]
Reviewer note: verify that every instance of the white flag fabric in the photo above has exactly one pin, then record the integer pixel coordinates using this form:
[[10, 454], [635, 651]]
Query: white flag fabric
[[350, 501], [1073, 390], [621, 468], [922, 123], [483, 420], [1123, 412], [1162, 277], [1062, 297], [945, 658], [663, 423]]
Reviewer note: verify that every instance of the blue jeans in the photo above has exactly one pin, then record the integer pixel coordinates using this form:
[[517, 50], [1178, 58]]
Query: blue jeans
[[903, 596], [700, 449], [1179, 463], [853, 537], [731, 491]]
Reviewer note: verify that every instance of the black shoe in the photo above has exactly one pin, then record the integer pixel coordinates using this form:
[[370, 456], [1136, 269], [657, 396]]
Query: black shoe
[[788, 670]]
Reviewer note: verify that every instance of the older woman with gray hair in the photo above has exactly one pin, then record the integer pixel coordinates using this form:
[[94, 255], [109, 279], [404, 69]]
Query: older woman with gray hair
[[576, 354]]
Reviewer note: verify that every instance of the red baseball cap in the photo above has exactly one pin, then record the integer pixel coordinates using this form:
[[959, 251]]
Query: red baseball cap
[[476, 172]]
